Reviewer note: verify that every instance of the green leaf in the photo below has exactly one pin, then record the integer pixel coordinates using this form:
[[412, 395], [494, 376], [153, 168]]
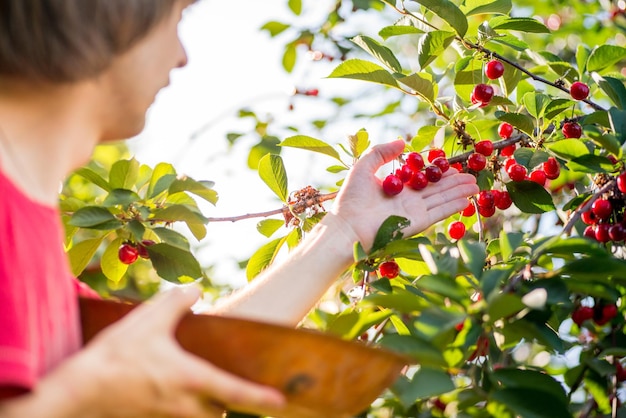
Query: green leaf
[[390, 230], [364, 70], [530, 197], [431, 45], [289, 57], [475, 7], [443, 286], [604, 56], [92, 216], [163, 175], [536, 103], [522, 122], [267, 227], [590, 164], [512, 42], [568, 149], [275, 28], [523, 156], [509, 242], [422, 84], [272, 172], [398, 30], [93, 177], [531, 403], [530, 379], [556, 107], [449, 12], [522, 24], [422, 351], [409, 391], [378, 51], [606, 141], [295, 6], [263, 257], [425, 135], [574, 245], [173, 263], [124, 174], [122, 197], [199, 188], [171, 237], [110, 262], [582, 55], [617, 119], [183, 213], [597, 266], [473, 255], [358, 143], [311, 144], [613, 88], [504, 305], [81, 254]]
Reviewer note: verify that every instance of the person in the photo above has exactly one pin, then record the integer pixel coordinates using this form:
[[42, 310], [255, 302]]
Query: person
[[76, 73]]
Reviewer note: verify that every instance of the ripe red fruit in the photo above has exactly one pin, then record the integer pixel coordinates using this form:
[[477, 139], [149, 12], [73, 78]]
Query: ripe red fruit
[[433, 173], [572, 130], [494, 69], [312, 92], [483, 93], [435, 153], [456, 230], [457, 166], [617, 233], [602, 233], [418, 181], [582, 314], [439, 404], [415, 161], [484, 147], [517, 172], [602, 208], [539, 177], [589, 218], [609, 312], [505, 130], [141, 248], [621, 182], [590, 232], [612, 158], [469, 210], [442, 163], [486, 199], [389, 269], [508, 150], [404, 173], [503, 200], [579, 90], [552, 168], [474, 100], [392, 185], [620, 372], [508, 163], [127, 253], [487, 211], [476, 161]]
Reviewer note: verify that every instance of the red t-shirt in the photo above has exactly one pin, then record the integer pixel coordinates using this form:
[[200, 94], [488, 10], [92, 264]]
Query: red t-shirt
[[39, 318]]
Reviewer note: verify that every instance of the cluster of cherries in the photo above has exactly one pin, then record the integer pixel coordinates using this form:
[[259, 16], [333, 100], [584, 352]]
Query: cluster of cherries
[[605, 218], [415, 174], [601, 314], [483, 93], [129, 252]]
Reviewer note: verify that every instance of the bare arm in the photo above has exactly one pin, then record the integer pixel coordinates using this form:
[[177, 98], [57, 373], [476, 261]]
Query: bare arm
[[287, 291]]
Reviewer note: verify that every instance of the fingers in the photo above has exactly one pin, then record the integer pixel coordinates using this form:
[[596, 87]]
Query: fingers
[[165, 310], [379, 155]]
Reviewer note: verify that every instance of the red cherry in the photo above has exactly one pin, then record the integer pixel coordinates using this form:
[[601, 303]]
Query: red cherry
[[539, 177], [617, 232], [418, 181], [612, 158], [435, 153], [439, 404], [602, 233], [582, 314], [589, 218], [503, 200], [476, 161], [494, 69], [484, 147], [469, 210], [392, 185], [579, 91], [621, 182], [552, 168], [389, 269], [602, 208], [457, 166], [508, 150], [487, 212], [433, 173], [127, 253], [141, 248], [517, 172], [474, 100], [505, 130], [442, 163], [483, 93], [572, 130], [415, 161], [456, 230], [590, 232], [459, 326], [508, 163], [609, 312], [486, 199], [620, 372], [404, 173]]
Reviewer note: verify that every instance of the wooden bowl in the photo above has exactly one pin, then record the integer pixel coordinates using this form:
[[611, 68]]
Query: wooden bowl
[[321, 375]]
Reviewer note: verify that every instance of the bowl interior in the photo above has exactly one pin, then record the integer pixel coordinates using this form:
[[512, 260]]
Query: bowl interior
[[321, 375]]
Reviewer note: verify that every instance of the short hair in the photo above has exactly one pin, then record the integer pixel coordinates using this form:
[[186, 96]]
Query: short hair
[[63, 41]]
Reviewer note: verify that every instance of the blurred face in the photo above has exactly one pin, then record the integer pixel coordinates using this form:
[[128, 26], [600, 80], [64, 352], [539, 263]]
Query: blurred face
[[128, 87]]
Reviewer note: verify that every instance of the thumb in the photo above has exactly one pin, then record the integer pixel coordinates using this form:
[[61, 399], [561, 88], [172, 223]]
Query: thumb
[[380, 155], [166, 309]]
